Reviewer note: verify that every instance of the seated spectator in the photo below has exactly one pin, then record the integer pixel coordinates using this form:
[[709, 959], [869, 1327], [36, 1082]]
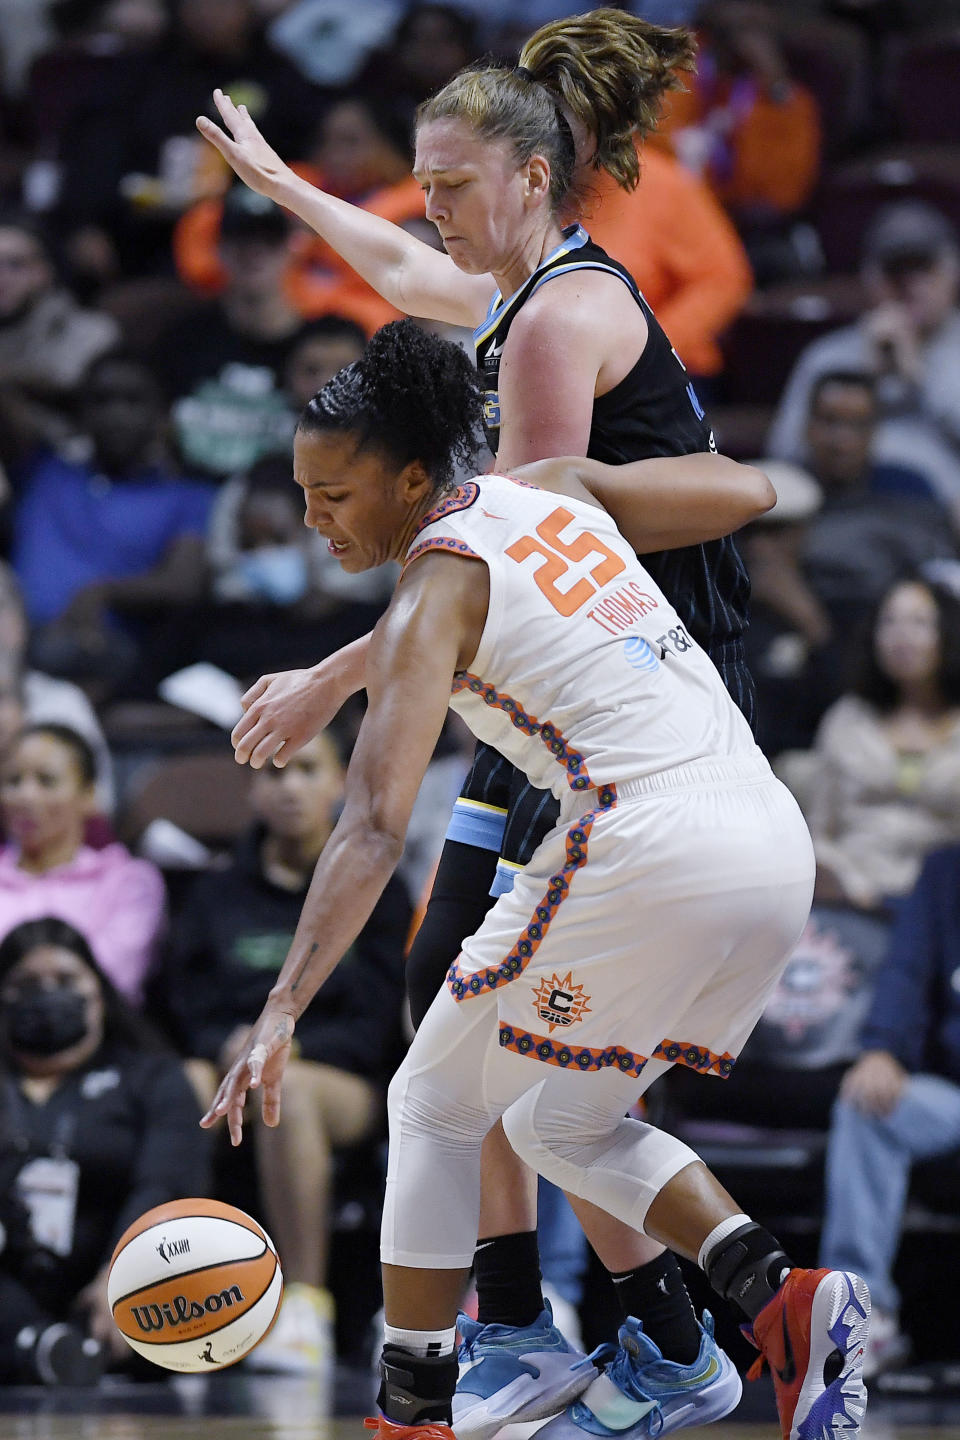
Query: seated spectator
[[879, 520], [46, 340], [750, 130], [431, 43], [98, 1125], [46, 795], [96, 65], [900, 1102], [789, 628], [228, 946], [281, 599], [130, 156], [908, 339], [222, 369], [108, 543], [884, 787], [361, 154], [29, 697], [324, 347], [789, 1072]]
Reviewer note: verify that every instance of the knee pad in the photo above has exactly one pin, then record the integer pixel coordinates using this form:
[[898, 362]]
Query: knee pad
[[617, 1164], [416, 1107]]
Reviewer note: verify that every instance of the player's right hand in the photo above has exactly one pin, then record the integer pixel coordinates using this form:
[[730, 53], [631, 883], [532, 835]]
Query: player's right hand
[[243, 147], [281, 713]]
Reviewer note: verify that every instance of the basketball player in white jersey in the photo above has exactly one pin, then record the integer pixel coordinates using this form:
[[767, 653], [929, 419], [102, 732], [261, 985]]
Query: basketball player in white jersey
[[574, 362], [649, 926]]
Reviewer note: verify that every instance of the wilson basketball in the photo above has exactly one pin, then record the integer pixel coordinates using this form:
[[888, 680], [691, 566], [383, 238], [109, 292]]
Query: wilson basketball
[[194, 1285]]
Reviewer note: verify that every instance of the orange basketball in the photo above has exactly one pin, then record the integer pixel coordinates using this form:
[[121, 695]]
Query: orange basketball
[[194, 1285]]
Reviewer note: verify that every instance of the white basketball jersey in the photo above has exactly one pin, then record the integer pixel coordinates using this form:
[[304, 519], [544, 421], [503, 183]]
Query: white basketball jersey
[[585, 675]]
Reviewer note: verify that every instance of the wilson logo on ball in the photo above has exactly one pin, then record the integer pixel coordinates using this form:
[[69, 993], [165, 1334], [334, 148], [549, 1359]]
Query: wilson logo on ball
[[194, 1284], [179, 1309]]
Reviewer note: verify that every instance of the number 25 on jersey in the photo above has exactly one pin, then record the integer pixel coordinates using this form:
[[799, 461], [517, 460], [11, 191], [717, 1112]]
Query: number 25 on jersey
[[557, 554]]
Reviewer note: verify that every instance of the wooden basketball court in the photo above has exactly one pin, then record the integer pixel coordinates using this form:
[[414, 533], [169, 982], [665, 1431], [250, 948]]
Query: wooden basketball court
[[244, 1407]]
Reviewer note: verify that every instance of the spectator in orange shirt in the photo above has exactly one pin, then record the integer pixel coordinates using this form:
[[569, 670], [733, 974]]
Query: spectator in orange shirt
[[362, 155], [750, 130], [680, 248]]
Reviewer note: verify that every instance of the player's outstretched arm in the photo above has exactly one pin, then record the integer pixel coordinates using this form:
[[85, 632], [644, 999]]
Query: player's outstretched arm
[[412, 276], [430, 630], [281, 712], [667, 502]]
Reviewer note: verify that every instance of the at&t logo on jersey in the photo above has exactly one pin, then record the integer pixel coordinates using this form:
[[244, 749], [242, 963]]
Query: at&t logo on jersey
[[640, 654]]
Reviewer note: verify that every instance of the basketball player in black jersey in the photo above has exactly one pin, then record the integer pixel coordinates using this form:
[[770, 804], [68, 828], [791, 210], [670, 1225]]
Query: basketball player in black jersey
[[581, 368]]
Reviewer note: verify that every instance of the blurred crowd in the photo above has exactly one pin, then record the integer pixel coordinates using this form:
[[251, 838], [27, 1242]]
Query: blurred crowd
[[161, 328]]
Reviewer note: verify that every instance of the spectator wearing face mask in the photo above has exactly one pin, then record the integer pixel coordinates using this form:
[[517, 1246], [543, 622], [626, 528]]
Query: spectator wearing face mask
[[98, 1125], [280, 598]]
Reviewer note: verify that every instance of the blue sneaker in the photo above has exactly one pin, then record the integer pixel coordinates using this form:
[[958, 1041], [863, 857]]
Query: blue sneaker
[[640, 1393], [510, 1374]]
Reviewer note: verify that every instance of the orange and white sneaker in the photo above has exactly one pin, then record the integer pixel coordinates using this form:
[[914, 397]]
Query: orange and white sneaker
[[428, 1430], [812, 1335]]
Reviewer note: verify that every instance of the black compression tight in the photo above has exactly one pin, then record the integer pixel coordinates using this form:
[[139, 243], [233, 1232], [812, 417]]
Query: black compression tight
[[459, 900]]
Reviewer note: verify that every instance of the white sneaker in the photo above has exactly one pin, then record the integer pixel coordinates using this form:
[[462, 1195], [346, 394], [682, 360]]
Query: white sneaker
[[887, 1346], [302, 1339]]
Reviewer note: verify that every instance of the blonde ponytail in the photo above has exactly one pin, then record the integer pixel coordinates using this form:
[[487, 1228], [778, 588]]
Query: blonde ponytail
[[611, 71]]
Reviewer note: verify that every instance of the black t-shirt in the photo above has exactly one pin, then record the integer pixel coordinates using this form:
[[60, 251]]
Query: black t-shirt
[[129, 1120], [653, 411], [226, 391], [230, 942]]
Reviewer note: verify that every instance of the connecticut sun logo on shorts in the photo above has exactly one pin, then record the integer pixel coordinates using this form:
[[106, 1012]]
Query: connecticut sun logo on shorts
[[560, 1002]]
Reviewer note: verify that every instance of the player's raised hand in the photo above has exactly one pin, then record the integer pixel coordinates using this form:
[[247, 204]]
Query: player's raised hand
[[244, 148]]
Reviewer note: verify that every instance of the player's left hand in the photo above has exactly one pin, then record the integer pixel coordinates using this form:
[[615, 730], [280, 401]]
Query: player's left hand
[[261, 1061]]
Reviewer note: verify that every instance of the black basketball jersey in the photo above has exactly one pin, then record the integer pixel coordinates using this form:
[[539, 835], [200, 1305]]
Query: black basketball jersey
[[654, 410]]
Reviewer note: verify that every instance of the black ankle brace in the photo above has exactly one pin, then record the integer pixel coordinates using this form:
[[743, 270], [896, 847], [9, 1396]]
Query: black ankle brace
[[414, 1388], [748, 1268]]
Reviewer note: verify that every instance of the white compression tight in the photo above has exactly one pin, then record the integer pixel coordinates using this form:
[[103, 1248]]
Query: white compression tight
[[455, 1083]]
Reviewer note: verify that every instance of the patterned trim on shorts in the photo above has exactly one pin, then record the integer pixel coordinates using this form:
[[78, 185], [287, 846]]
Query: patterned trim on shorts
[[464, 986], [696, 1057], [572, 761], [570, 1057]]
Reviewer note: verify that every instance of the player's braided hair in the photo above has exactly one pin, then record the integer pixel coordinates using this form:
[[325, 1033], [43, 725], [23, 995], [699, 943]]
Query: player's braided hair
[[611, 70], [411, 396]]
